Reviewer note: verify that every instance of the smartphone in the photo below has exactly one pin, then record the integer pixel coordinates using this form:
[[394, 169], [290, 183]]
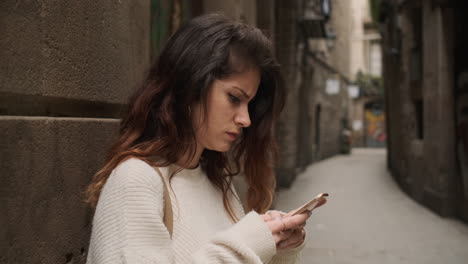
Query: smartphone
[[311, 205]]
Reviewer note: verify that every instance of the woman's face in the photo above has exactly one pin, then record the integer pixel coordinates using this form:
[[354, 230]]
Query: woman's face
[[228, 111]]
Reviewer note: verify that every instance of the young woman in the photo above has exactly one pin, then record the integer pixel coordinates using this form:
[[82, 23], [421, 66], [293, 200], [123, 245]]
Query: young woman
[[205, 113]]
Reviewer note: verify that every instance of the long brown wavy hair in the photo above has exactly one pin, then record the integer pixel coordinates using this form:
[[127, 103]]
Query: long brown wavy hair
[[158, 123]]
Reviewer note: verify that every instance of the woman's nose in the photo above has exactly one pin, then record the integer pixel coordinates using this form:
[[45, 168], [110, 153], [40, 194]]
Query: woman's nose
[[242, 117]]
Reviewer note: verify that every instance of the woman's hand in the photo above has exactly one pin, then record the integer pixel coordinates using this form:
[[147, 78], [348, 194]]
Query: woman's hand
[[288, 231]]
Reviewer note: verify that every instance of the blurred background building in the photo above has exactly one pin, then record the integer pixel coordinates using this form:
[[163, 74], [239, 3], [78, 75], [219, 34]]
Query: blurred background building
[[425, 72]]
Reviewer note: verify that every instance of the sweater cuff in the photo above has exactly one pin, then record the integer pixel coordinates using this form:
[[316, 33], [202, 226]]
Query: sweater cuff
[[289, 255], [252, 231]]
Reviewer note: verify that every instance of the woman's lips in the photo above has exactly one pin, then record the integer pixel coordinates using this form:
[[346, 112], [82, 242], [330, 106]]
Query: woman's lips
[[233, 136]]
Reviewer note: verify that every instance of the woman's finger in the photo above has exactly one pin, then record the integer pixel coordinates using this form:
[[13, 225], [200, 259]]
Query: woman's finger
[[295, 239], [294, 245], [288, 222], [300, 226], [266, 217], [275, 214], [272, 215], [282, 236], [322, 202]]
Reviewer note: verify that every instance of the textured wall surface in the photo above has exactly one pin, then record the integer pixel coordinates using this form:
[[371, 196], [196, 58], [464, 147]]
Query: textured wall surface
[[334, 107], [245, 10], [66, 70], [46, 165], [307, 134], [439, 117], [340, 56], [423, 154], [94, 51], [286, 47]]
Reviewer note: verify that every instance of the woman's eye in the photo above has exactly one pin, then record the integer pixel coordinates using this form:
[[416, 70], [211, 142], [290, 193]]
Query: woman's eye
[[234, 99]]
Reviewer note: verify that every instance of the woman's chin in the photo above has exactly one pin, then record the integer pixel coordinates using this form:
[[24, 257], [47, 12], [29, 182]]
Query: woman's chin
[[225, 147]]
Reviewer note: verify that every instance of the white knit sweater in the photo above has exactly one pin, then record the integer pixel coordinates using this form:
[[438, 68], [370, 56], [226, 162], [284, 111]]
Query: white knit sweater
[[128, 225]]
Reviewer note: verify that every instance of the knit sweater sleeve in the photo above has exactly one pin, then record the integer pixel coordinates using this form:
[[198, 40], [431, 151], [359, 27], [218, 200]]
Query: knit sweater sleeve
[[288, 255], [282, 256], [128, 226]]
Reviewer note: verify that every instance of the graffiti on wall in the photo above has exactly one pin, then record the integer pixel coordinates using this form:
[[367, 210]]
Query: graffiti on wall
[[376, 134]]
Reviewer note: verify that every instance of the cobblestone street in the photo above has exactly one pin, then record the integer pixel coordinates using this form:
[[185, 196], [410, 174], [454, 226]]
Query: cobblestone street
[[368, 219]]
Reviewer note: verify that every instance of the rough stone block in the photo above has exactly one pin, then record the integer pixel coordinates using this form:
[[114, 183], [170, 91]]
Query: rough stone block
[[93, 51], [46, 165]]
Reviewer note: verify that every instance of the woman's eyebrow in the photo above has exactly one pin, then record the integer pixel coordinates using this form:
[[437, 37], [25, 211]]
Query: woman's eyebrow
[[242, 91]]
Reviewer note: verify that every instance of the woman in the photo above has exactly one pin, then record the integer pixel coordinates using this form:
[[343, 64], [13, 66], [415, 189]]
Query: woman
[[205, 112]]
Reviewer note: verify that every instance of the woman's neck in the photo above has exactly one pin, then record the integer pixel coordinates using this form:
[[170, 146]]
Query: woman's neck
[[191, 162]]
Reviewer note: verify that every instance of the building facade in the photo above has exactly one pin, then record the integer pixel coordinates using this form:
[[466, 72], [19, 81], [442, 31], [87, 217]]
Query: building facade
[[425, 83], [314, 44]]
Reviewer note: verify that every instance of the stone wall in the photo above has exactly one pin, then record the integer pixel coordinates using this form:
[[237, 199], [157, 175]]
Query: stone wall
[[66, 71], [422, 155], [334, 108], [311, 124], [289, 56], [439, 123], [46, 164], [237, 9]]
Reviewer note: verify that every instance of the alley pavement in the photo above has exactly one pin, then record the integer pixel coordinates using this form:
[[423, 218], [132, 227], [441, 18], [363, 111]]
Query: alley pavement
[[368, 219]]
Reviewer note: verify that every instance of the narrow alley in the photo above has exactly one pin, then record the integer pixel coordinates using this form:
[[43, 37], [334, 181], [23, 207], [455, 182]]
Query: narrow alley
[[368, 219]]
